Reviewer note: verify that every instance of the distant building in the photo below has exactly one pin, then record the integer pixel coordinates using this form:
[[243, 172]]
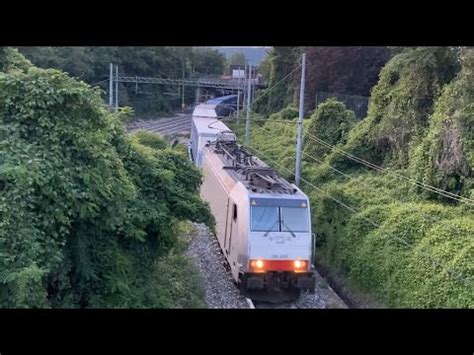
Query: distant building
[[239, 71]]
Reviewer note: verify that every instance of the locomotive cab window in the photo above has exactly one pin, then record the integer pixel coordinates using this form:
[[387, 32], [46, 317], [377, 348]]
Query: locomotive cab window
[[234, 212], [279, 219], [265, 219], [294, 219]]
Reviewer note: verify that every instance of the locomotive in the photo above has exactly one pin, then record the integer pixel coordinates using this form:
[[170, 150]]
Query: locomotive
[[263, 222]]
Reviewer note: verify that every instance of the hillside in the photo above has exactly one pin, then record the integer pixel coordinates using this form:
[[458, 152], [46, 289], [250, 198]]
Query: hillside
[[90, 216], [392, 195]]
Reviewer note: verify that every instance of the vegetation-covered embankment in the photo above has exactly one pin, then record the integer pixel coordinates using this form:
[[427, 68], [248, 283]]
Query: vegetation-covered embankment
[[89, 216], [392, 194]]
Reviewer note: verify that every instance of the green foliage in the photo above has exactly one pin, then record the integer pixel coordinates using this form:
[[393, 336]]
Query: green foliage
[[266, 67], [330, 122], [283, 61], [208, 61], [29, 288], [86, 213], [342, 70], [445, 157], [150, 140], [10, 59], [177, 285], [420, 255], [289, 112], [399, 109], [91, 64], [402, 101]]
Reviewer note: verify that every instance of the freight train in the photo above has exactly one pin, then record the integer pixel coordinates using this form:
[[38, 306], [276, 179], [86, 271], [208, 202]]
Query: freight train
[[263, 222]]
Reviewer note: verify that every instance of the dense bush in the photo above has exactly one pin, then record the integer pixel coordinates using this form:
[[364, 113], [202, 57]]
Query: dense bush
[[445, 158], [330, 122], [400, 106], [85, 212], [91, 64], [420, 255]]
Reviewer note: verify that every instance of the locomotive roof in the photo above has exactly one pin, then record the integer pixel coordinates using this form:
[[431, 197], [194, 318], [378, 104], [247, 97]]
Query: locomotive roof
[[222, 99], [209, 125], [258, 178], [205, 111]]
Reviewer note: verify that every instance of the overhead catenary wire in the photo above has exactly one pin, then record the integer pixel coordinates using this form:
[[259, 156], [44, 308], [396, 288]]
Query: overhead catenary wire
[[412, 208], [380, 169], [354, 210], [427, 187], [268, 90], [434, 189], [99, 82]]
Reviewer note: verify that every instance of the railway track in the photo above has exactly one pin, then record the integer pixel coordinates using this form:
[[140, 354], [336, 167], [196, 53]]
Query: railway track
[[164, 126], [324, 297]]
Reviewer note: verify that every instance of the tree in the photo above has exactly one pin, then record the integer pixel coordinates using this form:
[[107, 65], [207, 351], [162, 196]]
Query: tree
[[208, 61], [330, 122], [91, 64], [237, 59], [445, 156], [86, 211], [400, 106], [342, 70], [281, 82]]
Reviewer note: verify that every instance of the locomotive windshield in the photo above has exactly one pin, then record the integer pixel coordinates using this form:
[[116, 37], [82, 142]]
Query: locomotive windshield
[[294, 219], [265, 219], [279, 219]]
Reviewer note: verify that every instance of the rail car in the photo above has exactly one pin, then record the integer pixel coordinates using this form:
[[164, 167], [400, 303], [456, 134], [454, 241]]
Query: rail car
[[263, 223]]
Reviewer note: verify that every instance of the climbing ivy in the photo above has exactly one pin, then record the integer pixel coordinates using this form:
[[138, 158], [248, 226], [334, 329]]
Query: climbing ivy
[[445, 157], [330, 122]]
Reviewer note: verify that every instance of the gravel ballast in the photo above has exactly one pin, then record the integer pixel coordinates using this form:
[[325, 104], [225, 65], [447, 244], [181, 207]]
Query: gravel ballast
[[220, 291]]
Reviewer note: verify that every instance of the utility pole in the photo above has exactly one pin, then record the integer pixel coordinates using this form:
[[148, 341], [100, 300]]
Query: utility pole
[[247, 124], [244, 103], [238, 97], [111, 87], [254, 83], [182, 94], [299, 142], [116, 88]]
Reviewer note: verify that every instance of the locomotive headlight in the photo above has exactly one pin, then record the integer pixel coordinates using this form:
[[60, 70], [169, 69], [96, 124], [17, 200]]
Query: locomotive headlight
[[257, 264], [299, 264]]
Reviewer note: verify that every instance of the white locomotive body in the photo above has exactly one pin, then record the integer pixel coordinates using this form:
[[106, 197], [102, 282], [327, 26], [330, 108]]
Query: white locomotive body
[[263, 223]]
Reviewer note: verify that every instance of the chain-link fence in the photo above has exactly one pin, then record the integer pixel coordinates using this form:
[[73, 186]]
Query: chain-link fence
[[358, 104]]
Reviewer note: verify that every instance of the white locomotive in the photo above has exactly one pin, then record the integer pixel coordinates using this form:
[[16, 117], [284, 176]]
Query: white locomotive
[[263, 223]]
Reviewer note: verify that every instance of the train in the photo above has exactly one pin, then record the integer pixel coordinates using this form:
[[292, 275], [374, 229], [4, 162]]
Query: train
[[224, 106], [263, 222]]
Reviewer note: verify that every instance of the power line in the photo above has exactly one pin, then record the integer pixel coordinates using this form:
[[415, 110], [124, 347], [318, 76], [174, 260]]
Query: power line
[[422, 213], [412, 208], [267, 91], [100, 82], [381, 169], [353, 210]]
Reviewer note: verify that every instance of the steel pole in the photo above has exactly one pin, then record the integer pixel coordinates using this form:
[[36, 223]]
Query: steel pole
[[299, 142]]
